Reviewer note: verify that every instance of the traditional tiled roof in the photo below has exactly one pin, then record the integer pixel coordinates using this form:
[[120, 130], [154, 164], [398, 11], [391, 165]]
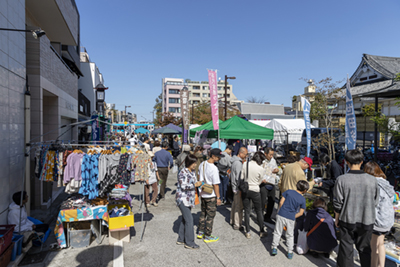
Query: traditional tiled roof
[[387, 66]]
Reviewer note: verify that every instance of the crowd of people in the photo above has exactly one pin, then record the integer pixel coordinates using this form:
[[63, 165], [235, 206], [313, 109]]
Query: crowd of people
[[362, 201]]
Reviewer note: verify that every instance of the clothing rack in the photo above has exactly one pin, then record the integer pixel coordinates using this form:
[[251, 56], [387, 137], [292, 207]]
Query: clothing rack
[[142, 204]]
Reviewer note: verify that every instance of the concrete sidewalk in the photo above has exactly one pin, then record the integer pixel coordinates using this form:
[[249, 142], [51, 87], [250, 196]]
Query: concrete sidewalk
[[158, 247]]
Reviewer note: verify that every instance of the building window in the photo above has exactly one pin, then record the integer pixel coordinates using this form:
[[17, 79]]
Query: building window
[[219, 95], [205, 94], [373, 76], [196, 87], [174, 100], [173, 91], [205, 87], [219, 88], [174, 110], [363, 79], [196, 94]]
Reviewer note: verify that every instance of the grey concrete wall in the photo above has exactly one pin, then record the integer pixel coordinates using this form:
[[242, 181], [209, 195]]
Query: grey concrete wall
[[70, 13], [12, 88]]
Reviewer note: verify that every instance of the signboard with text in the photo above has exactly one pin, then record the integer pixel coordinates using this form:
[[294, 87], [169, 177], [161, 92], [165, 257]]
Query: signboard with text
[[212, 81]]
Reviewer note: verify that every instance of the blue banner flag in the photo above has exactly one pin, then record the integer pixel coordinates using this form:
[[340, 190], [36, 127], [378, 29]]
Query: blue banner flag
[[351, 125], [306, 113]]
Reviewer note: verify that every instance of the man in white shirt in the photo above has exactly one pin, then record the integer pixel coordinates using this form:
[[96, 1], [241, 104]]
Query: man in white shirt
[[268, 191], [209, 174], [146, 144], [133, 140]]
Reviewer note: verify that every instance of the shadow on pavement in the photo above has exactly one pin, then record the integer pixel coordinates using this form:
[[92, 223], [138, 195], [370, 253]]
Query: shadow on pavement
[[96, 256], [177, 222]]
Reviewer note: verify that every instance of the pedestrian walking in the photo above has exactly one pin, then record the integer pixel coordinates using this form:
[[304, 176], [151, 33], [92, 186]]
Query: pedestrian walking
[[164, 162], [253, 173], [384, 212], [236, 219], [224, 165], [333, 172], [152, 182], [185, 197], [355, 196], [291, 206], [209, 201]]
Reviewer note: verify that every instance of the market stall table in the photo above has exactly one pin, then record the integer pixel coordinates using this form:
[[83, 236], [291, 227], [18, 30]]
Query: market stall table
[[98, 213]]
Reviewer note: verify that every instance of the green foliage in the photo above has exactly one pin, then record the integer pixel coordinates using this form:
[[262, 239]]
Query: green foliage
[[309, 206], [158, 108], [397, 77], [369, 110]]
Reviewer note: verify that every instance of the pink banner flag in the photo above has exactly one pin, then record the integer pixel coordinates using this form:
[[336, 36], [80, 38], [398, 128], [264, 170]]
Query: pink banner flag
[[212, 81]]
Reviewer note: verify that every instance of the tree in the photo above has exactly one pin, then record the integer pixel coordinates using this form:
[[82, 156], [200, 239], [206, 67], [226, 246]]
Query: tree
[[326, 99], [256, 99], [202, 113], [167, 118], [383, 123], [158, 108]]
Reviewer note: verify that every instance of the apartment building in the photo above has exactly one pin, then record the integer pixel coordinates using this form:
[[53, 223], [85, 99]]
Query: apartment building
[[199, 92]]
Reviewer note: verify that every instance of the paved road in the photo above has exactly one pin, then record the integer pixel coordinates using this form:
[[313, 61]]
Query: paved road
[[158, 247]]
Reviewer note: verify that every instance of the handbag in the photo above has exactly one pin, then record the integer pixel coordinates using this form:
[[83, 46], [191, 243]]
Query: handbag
[[206, 188], [244, 185], [315, 227]]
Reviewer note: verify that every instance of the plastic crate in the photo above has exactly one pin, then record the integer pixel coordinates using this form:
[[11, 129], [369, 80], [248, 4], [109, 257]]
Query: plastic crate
[[80, 236], [6, 257], [17, 250], [6, 234]]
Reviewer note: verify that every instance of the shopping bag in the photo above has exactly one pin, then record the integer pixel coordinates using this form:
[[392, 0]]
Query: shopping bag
[[175, 169], [302, 246], [196, 199]]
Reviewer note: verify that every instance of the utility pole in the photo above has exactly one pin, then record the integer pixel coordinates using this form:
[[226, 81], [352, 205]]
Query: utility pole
[[226, 92]]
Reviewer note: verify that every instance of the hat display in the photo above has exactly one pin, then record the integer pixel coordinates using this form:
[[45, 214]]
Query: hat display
[[309, 161], [216, 152]]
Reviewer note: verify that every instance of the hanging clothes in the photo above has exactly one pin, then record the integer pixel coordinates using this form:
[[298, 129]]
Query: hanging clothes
[[48, 170], [141, 162], [90, 171], [73, 173], [123, 173]]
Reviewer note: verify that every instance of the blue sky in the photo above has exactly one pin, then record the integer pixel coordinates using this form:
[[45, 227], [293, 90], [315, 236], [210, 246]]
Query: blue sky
[[267, 45]]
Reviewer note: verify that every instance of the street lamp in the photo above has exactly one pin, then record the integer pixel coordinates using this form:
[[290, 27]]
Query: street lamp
[[126, 115], [35, 33], [226, 91]]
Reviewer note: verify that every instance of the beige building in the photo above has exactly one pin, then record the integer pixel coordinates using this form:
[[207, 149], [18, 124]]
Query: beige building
[[199, 92], [309, 92]]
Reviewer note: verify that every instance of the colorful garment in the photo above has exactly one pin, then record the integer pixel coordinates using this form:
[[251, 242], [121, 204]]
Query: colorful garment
[[123, 173], [47, 174], [141, 162], [90, 171], [186, 190]]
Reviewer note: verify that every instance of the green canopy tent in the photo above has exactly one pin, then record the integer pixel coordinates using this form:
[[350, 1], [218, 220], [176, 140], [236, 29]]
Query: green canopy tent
[[236, 128]]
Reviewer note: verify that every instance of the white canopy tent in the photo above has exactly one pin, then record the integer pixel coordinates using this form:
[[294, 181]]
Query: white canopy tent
[[290, 130], [260, 123]]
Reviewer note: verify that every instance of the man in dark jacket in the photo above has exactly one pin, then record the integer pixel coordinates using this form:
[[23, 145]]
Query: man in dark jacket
[[333, 172], [355, 196]]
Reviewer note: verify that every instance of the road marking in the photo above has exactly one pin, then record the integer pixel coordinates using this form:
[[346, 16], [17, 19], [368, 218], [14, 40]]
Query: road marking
[[118, 254]]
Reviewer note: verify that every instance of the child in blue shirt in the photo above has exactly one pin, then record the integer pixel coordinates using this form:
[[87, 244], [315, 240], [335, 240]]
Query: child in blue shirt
[[291, 206]]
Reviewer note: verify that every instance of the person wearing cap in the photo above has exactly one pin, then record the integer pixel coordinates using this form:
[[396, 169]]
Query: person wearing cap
[[293, 173], [209, 174]]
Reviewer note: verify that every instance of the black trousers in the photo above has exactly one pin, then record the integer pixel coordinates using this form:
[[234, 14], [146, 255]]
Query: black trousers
[[267, 195], [254, 197], [361, 238]]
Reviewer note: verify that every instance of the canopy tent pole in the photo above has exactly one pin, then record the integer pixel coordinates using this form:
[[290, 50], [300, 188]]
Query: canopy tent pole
[[376, 132]]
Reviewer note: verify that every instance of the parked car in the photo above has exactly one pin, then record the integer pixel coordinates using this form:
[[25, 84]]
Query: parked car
[[337, 133]]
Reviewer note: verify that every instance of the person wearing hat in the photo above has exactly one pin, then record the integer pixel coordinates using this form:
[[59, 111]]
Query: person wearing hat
[[293, 173], [209, 174]]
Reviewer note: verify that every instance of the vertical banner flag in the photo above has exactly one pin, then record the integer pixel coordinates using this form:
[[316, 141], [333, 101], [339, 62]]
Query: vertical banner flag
[[351, 126], [306, 113], [212, 81], [185, 113], [95, 128]]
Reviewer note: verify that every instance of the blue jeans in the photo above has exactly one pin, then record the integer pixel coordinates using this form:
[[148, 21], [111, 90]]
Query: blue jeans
[[223, 187]]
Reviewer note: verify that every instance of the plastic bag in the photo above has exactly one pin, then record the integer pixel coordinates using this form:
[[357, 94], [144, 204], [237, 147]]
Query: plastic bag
[[175, 169], [302, 246]]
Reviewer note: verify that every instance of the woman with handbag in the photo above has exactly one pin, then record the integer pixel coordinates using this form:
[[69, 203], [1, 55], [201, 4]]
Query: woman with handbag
[[253, 173], [321, 236], [185, 198]]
